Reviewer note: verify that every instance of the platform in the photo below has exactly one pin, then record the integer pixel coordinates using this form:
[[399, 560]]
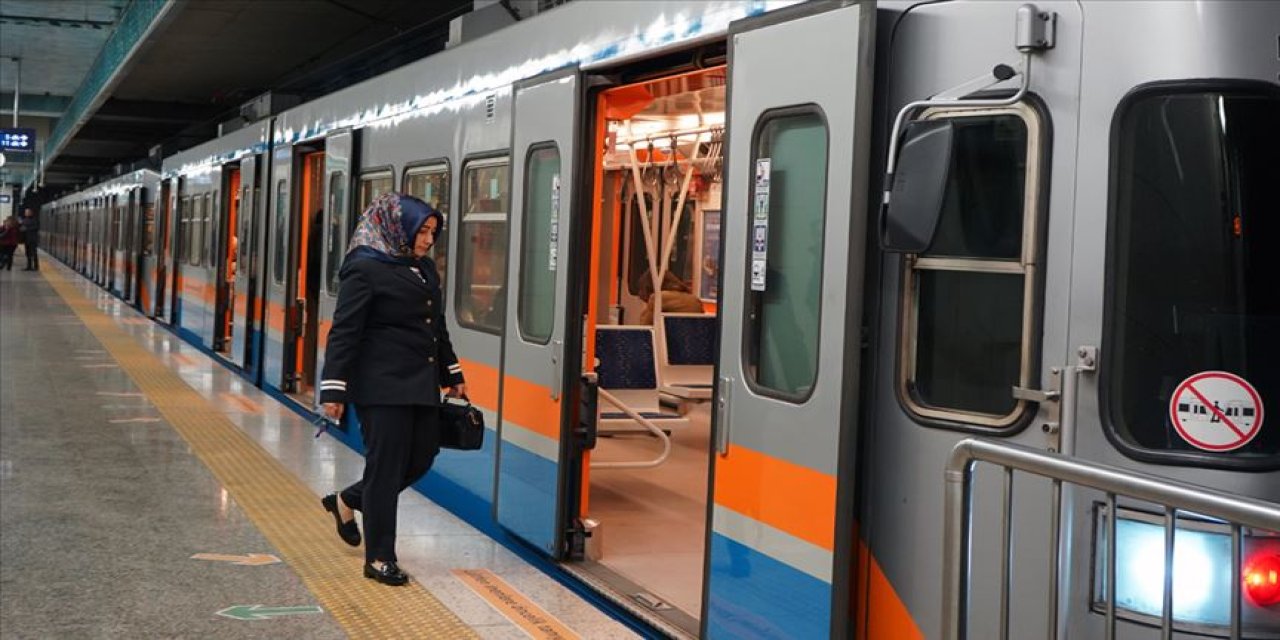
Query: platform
[[146, 490]]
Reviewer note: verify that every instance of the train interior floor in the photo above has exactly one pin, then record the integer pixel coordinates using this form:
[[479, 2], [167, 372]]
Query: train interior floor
[[654, 520], [138, 478]]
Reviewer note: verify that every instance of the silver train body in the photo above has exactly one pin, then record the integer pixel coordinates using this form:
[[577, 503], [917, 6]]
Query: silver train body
[[1045, 282]]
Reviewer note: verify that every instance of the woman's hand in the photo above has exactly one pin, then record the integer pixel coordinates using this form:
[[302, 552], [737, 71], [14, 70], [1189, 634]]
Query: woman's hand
[[333, 410], [457, 391]]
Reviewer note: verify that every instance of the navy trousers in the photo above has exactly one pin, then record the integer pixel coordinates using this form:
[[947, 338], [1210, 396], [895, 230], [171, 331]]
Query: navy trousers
[[401, 442]]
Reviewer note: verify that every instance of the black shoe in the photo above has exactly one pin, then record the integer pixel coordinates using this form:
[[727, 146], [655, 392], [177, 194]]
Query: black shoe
[[388, 574], [348, 531]]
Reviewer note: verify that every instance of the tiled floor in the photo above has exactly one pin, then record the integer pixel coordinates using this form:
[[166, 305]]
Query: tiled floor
[[102, 503]]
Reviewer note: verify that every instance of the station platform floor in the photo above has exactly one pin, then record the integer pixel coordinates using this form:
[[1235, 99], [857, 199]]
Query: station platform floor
[[148, 491]]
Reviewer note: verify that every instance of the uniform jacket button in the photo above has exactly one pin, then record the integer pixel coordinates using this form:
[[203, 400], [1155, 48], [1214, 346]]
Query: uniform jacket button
[[430, 359]]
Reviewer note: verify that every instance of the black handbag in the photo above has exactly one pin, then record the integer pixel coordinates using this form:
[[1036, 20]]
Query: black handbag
[[461, 425]]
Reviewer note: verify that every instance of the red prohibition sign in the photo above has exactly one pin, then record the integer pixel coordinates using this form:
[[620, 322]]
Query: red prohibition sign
[[1216, 411]]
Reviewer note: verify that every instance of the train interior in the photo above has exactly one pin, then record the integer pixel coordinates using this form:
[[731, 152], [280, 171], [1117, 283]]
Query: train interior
[[224, 323], [304, 314], [658, 172]]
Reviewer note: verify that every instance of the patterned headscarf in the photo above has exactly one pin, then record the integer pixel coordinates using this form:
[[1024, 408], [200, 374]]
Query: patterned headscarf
[[380, 230]]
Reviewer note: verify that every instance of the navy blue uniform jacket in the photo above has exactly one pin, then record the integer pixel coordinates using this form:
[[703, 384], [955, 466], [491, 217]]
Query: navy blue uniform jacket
[[388, 344]]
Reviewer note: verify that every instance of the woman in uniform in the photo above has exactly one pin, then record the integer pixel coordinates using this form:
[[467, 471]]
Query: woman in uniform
[[389, 355]]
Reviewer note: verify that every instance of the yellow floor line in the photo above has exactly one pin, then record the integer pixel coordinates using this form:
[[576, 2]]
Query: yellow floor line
[[512, 604], [277, 502]]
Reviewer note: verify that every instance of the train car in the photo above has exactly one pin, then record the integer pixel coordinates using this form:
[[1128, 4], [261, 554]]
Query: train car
[[884, 231], [107, 231], [212, 226]]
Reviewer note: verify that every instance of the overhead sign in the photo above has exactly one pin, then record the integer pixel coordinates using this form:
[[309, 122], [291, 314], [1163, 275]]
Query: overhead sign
[[1216, 411], [19, 139]]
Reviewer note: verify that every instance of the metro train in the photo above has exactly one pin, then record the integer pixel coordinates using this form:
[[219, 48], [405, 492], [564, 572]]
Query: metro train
[[908, 224]]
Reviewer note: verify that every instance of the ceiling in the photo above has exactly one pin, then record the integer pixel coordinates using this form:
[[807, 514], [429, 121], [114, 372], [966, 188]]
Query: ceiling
[[205, 59]]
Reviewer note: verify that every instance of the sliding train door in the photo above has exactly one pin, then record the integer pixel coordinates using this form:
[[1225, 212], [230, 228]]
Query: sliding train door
[[791, 305], [339, 163], [240, 269], [531, 499]]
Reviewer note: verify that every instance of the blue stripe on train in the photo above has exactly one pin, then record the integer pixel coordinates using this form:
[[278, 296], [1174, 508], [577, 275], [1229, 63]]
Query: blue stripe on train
[[527, 496], [754, 595]]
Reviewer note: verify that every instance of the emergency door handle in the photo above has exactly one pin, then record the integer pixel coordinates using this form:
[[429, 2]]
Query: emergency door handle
[[722, 415], [1034, 395], [557, 349]]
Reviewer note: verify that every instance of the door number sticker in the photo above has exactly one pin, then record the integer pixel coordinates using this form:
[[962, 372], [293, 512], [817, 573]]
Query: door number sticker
[[1216, 411]]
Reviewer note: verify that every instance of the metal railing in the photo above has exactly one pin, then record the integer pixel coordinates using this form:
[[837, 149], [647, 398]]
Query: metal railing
[[1172, 495]]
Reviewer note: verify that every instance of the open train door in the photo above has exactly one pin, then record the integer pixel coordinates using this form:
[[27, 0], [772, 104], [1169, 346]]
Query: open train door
[[339, 161], [531, 501], [241, 268], [786, 402]]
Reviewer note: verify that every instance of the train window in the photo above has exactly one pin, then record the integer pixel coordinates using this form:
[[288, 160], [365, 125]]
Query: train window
[[281, 226], [431, 184], [337, 231], [148, 227], [781, 337], [1190, 271], [482, 244], [196, 256], [968, 315], [535, 309], [184, 210], [373, 185], [210, 239]]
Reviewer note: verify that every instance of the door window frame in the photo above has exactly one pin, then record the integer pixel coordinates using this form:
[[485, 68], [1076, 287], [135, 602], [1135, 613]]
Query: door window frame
[[1030, 265]]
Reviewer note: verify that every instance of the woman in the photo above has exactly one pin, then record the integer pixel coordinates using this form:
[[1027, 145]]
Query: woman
[[8, 242], [388, 354]]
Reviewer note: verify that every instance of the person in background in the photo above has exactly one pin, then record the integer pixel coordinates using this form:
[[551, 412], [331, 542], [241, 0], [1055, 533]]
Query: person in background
[[31, 239], [8, 242], [677, 297], [389, 354]]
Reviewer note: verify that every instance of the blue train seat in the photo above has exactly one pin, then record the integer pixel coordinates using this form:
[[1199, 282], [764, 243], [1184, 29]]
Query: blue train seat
[[687, 363], [627, 368]]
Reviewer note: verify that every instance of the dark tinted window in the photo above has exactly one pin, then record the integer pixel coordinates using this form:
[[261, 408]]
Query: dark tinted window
[[967, 338], [1195, 222], [984, 206]]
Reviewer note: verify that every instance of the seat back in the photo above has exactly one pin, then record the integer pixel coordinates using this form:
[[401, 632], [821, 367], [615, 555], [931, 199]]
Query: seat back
[[627, 367], [689, 353]]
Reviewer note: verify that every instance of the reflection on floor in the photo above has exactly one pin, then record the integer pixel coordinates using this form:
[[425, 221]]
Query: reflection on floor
[[654, 520]]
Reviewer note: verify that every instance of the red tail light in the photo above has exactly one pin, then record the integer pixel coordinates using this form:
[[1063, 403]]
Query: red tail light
[[1262, 579]]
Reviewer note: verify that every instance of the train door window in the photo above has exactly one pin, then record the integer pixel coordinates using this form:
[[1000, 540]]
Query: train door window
[[187, 228], [373, 185], [210, 238], [784, 304], [196, 252], [482, 245], [1190, 267], [281, 225], [968, 303], [431, 184], [539, 236], [148, 226], [337, 230]]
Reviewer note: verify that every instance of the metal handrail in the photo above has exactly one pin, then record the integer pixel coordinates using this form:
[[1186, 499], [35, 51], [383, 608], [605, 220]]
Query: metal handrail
[[644, 422], [1173, 495]]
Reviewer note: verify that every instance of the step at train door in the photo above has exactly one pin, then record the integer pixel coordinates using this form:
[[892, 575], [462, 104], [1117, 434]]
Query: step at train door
[[241, 270], [530, 502], [795, 217], [339, 163]]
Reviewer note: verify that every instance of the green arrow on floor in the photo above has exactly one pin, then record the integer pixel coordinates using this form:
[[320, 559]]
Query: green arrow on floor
[[259, 612]]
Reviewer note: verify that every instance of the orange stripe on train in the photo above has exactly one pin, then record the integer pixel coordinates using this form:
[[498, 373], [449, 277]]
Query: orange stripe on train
[[781, 494]]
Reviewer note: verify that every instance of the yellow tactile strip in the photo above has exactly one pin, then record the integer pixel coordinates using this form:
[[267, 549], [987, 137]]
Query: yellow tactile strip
[[280, 505]]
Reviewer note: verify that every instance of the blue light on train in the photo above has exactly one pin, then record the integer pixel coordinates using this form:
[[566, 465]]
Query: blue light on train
[[1201, 572]]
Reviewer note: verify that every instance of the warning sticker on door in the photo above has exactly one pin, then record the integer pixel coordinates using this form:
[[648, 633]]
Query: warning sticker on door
[[1216, 411]]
